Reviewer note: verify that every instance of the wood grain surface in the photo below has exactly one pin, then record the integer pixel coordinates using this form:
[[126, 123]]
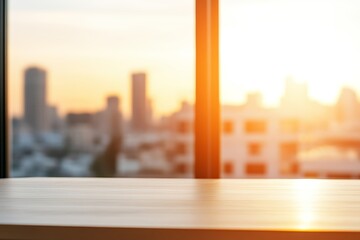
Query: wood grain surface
[[66, 209]]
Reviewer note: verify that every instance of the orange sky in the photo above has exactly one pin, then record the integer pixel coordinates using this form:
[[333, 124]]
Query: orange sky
[[91, 47]]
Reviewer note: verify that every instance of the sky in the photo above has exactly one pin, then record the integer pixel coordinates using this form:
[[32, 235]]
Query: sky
[[90, 48]]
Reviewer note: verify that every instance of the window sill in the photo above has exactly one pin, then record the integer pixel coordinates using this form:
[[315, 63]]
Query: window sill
[[65, 209]]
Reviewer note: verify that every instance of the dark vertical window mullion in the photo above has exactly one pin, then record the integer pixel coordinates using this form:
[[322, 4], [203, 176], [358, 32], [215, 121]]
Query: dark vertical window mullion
[[3, 106], [207, 113]]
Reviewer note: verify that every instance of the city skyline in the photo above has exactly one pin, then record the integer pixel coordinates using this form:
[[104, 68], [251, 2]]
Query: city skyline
[[35, 95], [291, 140]]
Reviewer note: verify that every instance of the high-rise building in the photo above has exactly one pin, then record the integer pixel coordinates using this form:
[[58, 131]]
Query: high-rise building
[[35, 101], [149, 113], [114, 118], [348, 106], [139, 102]]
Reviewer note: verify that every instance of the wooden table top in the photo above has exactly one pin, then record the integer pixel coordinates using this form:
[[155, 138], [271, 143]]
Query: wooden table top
[[172, 209]]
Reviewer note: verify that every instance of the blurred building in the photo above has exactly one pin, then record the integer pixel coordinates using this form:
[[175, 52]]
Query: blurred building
[[139, 104], [109, 121], [75, 119], [254, 100], [257, 142], [149, 113], [295, 95], [81, 132], [181, 140], [348, 107], [35, 99], [296, 101], [53, 119], [331, 161], [113, 117]]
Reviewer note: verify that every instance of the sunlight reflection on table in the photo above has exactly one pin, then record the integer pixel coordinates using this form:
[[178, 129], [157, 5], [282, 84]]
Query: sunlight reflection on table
[[306, 192]]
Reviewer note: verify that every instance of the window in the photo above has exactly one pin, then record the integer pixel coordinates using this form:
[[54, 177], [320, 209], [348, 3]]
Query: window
[[181, 169], [311, 175], [275, 66], [254, 149], [184, 127], [228, 167], [288, 151], [255, 126], [288, 156], [228, 127], [273, 75], [101, 89], [255, 169], [180, 148], [339, 176]]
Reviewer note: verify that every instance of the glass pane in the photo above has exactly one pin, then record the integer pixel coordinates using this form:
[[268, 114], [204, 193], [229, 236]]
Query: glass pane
[[289, 88], [102, 87]]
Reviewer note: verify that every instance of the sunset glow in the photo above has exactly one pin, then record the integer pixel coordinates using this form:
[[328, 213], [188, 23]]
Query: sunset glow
[[263, 42], [90, 49]]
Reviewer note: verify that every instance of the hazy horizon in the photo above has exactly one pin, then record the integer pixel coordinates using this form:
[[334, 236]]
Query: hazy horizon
[[91, 48]]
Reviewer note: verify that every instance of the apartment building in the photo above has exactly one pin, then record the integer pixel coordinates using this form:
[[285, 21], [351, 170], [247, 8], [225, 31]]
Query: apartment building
[[257, 142]]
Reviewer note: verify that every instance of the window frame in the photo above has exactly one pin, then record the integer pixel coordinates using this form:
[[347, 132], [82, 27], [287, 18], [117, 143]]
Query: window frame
[[3, 107], [207, 103]]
